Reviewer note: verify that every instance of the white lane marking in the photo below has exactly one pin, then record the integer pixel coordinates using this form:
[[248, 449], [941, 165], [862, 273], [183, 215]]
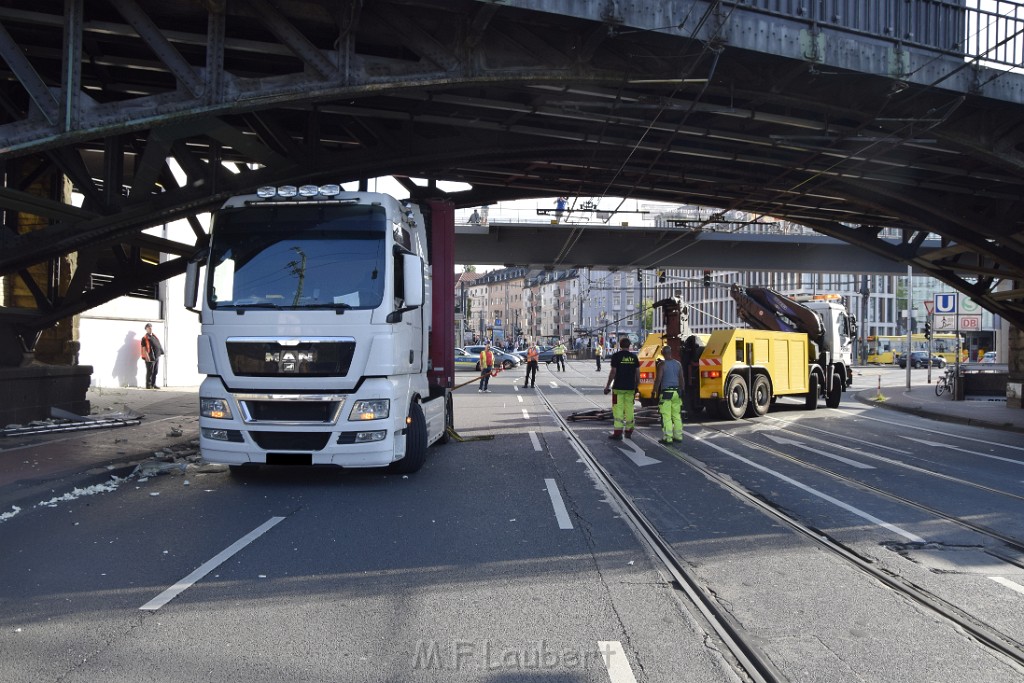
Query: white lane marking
[[619, 670], [561, 514], [536, 441], [526, 415], [554, 384], [636, 454], [914, 538], [797, 423], [972, 439], [519, 397], [211, 564], [790, 442], [936, 444], [1012, 585]]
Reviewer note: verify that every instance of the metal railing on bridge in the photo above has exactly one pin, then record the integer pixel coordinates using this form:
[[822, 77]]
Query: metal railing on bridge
[[989, 31]]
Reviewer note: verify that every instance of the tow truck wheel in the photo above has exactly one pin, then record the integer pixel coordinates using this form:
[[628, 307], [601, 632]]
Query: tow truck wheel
[[737, 396], [835, 393], [415, 443], [812, 393], [760, 395]]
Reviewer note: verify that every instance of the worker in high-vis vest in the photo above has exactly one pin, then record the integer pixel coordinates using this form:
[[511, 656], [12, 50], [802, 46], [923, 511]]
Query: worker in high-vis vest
[[668, 387], [532, 358], [623, 380], [486, 367]]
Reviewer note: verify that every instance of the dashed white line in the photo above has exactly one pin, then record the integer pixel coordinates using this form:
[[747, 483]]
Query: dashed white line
[[208, 566], [520, 398], [561, 514], [526, 415], [913, 538], [1012, 585], [536, 441], [619, 670]]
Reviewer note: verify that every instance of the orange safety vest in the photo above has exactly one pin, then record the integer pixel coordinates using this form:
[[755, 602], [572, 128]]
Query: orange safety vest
[[532, 354], [486, 359]]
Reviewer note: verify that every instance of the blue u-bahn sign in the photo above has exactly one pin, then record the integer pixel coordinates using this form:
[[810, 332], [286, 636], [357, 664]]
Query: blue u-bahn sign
[[945, 304]]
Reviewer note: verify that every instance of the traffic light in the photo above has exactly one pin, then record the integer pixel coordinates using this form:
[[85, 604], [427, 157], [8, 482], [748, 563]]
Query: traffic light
[[927, 330], [707, 278], [661, 276]]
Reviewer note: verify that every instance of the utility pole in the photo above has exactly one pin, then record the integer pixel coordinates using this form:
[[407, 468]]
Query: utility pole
[[910, 327], [865, 292], [640, 279]]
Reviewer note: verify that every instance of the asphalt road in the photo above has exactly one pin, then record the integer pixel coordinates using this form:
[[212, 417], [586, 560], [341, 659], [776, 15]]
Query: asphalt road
[[504, 559]]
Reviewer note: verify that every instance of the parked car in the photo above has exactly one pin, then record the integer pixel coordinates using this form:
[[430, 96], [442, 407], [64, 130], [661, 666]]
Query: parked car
[[505, 360], [989, 357], [464, 360], [547, 355], [919, 359]]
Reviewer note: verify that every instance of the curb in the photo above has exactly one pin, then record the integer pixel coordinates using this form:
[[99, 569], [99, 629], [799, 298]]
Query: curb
[[867, 397]]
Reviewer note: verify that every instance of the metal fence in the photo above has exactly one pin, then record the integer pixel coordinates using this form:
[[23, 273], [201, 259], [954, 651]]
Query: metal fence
[[989, 31]]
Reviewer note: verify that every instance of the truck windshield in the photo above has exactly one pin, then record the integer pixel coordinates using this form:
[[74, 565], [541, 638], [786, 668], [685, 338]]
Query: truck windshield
[[313, 256]]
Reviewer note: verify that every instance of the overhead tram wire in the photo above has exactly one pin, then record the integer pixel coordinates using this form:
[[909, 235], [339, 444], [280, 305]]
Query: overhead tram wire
[[803, 165], [860, 153], [573, 238]]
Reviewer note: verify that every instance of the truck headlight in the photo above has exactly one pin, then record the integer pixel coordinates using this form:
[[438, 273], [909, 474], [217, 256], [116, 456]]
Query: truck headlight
[[214, 407], [370, 409]]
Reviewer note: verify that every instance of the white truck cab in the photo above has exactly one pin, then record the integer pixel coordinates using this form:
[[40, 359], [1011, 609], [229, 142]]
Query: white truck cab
[[315, 340]]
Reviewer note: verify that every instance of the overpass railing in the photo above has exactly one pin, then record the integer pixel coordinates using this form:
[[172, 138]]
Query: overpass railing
[[989, 31]]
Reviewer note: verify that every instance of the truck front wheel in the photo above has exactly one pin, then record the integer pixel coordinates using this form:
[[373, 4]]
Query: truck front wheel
[[415, 443], [737, 396]]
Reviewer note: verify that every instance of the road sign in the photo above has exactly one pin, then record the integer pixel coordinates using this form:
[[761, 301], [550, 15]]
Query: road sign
[[929, 307], [968, 305], [944, 323], [945, 303], [970, 322]]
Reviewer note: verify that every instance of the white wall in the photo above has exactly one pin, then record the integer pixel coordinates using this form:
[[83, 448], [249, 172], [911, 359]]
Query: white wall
[[110, 334]]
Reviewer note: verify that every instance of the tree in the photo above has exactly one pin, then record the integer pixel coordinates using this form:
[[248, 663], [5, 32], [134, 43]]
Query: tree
[[648, 315]]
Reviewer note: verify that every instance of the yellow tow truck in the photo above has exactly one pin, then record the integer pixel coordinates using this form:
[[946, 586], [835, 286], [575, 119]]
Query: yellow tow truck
[[796, 348]]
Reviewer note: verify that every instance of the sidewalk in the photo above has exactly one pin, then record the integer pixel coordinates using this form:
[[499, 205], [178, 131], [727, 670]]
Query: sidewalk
[[43, 465], [921, 400]]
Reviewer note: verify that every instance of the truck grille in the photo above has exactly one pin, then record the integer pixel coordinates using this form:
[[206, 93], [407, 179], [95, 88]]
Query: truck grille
[[283, 408], [300, 358], [290, 441]]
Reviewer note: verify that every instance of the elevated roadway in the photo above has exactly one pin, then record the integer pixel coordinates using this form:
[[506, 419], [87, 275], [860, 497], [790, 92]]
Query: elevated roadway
[[542, 245], [848, 117]]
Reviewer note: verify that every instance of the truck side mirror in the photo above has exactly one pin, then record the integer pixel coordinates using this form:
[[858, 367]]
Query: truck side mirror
[[413, 289], [412, 286], [192, 280]]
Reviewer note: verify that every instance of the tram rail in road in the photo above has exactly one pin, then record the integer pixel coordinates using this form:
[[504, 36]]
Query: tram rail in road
[[748, 657]]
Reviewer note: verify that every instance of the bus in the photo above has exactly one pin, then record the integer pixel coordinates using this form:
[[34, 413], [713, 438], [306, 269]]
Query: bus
[[884, 350]]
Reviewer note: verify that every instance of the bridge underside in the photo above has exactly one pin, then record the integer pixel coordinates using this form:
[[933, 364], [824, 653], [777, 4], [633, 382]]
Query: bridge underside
[[680, 102]]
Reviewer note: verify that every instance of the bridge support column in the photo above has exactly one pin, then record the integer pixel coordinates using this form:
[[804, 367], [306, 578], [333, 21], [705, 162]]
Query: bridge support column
[[41, 370]]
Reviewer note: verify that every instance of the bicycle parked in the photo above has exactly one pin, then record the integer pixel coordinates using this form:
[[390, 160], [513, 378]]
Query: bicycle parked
[[946, 383]]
